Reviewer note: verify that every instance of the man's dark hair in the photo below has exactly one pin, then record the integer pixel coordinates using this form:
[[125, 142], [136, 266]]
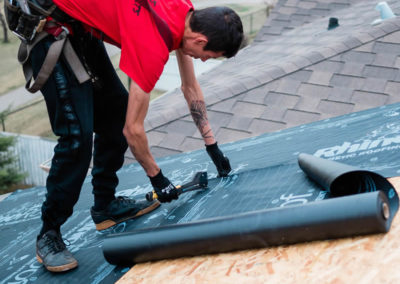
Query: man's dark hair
[[222, 27]]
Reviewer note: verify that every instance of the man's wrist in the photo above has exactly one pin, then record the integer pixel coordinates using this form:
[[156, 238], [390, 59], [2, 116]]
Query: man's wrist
[[157, 180], [212, 147]]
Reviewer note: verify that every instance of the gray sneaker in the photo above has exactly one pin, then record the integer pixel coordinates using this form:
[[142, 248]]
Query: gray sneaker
[[121, 209], [53, 254]]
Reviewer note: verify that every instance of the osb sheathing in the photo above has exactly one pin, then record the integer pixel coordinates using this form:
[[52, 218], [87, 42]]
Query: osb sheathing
[[368, 259]]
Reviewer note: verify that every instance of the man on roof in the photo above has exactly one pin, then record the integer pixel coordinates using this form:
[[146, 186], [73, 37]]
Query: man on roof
[[146, 31]]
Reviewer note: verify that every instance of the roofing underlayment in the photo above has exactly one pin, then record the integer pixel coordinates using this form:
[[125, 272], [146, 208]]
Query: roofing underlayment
[[329, 93]]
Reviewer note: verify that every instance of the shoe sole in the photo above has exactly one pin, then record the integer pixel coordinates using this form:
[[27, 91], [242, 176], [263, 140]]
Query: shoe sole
[[60, 268], [109, 223]]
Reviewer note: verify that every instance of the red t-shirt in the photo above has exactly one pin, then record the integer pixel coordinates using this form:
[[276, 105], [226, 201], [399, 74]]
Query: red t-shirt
[[143, 50]]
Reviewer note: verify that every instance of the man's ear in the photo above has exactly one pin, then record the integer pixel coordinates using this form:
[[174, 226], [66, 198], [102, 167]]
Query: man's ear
[[201, 40]]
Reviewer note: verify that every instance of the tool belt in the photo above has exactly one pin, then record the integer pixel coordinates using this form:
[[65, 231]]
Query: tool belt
[[43, 21]]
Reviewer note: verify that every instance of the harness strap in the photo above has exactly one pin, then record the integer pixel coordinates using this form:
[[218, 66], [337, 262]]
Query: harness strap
[[61, 45]]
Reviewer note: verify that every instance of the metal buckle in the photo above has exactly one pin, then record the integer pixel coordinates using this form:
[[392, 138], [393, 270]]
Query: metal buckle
[[63, 33]]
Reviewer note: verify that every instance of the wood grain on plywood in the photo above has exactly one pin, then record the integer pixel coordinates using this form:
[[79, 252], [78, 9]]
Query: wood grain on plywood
[[367, 259]]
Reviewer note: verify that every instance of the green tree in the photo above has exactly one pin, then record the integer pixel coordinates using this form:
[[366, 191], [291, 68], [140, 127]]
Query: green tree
[[9, 175]]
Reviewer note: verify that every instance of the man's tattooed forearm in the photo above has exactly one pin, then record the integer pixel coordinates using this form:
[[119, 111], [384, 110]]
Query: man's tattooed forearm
[[199, 114], [207, 135]]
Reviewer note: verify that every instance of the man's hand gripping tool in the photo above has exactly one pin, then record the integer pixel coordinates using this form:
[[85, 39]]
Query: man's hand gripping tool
[[199, 181]]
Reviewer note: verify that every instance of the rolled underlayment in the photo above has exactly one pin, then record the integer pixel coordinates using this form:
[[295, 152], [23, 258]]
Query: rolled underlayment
[[364, 203]]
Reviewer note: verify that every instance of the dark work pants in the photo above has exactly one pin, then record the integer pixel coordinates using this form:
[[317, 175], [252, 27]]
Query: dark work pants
[[76, 111]]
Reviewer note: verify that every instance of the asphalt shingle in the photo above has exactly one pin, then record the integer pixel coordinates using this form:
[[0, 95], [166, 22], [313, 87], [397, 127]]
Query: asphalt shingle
[[369, 98]]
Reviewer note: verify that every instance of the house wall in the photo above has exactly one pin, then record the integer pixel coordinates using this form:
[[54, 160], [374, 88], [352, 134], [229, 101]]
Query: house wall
[[31, 152]]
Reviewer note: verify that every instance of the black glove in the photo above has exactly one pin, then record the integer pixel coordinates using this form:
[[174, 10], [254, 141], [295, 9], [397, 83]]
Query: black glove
[[165, 190], [219, 159]]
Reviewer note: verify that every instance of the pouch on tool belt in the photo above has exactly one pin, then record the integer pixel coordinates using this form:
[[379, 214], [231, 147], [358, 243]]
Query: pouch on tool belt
[[24, 25]]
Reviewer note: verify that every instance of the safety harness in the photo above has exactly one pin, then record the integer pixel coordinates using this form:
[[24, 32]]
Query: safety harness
[[33, 27], [61, 45]]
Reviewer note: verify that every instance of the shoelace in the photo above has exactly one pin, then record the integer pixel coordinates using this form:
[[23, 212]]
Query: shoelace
[[125, 200], [56, 244]]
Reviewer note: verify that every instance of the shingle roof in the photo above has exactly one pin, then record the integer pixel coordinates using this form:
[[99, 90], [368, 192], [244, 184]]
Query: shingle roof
[[295, 72]]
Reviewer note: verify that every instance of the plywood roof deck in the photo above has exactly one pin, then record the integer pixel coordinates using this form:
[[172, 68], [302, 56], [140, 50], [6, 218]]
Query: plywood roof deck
[[365, 259]]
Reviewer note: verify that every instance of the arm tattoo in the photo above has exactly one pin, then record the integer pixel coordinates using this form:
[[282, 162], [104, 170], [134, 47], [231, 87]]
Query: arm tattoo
[[199, 114]]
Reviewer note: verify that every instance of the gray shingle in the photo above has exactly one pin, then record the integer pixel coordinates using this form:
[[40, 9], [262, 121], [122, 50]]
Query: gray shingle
[[352, 42], [159, 152], [320, 77], [369, 98], [276, 72], [391, 38], [389, 27], [281, 99], [340, 47], [155, 137], [297, 117], [186, 128], [229, 135], [320, 11], [377, 32], [386, 59], [313, 90], [301, 61], [248, 109], [190, 144], [279, 22], [218, 119], [172, 141], [241, 123], [300, 17], [327, 52], [397, 62], [380, 72], [224, 106], [274, 113], [306, 4], [339, 80], [341, 94], [260, 126], [289, 67], [287, 85], [337, 5], [353, 69], [307, 104], [374, 85], [315, 57], [368, 47], [386, 47], [250, 82], [255, 96], [393, 89], [302, 75], [335, 108], [359, 57], [236, 86], [364, 38], [287, 10], [328, 66], [224, 93]]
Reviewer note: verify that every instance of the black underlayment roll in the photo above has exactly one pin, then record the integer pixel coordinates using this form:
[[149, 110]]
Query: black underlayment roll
[[368, 209]]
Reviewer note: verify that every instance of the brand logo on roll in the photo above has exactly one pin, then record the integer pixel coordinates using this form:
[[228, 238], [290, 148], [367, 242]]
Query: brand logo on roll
[[364, 147]]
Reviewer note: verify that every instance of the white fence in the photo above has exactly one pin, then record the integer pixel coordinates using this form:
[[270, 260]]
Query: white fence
[[30, 153]]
